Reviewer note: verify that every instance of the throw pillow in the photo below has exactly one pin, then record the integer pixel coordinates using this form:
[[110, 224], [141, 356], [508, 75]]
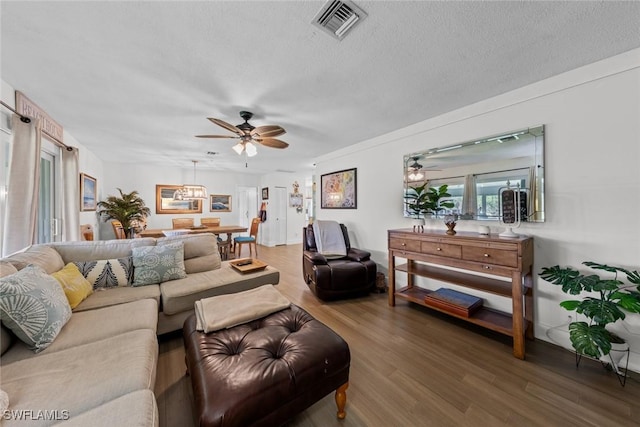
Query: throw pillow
[[76, 288], [4, 402], [107, 273], [33, 306], [155, 264]]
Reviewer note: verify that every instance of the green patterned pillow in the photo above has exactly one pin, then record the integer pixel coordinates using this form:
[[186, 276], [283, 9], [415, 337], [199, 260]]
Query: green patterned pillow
[[33, 306], [155, 264], [107, 273]]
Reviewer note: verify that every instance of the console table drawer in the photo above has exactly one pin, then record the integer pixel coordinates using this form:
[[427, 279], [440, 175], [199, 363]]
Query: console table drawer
[[490, 256], [404, 244], [442, 249]]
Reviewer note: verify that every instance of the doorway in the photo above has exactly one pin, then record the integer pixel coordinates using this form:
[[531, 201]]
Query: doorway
[[247, 205], [278, 212]]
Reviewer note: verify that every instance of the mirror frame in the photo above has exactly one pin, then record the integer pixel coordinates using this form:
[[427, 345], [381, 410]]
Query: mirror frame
[[516, 157]]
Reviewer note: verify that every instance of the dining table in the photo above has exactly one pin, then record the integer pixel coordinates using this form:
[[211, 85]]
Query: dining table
[[217, 230]]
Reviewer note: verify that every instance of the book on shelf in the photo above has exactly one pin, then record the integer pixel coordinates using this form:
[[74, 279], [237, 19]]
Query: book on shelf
[[453, 301]]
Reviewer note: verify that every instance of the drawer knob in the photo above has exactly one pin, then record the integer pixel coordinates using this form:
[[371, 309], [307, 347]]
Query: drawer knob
[[486, 267], [403, 244], [486, 255], [438, 249]]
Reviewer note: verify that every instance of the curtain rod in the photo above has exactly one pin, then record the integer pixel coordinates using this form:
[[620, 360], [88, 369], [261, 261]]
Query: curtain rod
[[26, 119]]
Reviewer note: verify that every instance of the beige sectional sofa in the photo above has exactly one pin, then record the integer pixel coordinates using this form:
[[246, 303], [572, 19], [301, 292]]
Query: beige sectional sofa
[[100, 370]]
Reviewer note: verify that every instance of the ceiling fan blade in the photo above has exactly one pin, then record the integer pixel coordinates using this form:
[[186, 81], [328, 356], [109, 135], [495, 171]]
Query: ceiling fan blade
[[217, 136], [268, 131], [272, 142], [226, 125]]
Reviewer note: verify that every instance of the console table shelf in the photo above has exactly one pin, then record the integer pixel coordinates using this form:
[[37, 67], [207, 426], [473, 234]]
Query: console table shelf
[[428, 253]]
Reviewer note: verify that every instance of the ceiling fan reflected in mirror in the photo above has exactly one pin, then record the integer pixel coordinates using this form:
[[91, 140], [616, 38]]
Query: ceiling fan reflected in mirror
[[250, 135], [415, 169]]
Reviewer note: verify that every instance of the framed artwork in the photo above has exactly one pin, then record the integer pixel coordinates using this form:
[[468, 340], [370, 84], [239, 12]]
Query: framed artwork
[[295, 200], [87, 192], [338, 190], [166, 205], [220, 203], [265, 193]]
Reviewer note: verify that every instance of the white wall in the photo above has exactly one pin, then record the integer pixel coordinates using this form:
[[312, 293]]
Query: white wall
[[592, 178], [144, 178]]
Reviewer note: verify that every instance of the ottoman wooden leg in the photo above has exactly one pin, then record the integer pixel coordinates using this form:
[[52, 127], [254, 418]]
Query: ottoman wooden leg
[[341, 400]]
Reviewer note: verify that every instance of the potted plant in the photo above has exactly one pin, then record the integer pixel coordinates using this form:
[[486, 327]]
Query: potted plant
[[604, 302], [421, 200], [128, 208]]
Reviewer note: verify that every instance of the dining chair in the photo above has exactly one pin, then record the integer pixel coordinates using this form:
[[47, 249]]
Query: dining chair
[[251, 239], [210, 221], [118, 230], [182, 222], [86, 232]]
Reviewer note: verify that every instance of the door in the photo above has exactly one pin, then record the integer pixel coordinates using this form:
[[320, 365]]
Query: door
[[279, 214], [247, 205], [49, 206]]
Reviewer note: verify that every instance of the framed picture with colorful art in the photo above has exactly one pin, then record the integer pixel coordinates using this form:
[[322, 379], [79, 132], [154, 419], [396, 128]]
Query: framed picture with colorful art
[[265, 193], [220, 203], [338, 190], [88, 191]]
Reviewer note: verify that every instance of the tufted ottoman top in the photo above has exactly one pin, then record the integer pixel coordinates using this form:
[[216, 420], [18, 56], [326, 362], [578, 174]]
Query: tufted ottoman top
[[266, 371]]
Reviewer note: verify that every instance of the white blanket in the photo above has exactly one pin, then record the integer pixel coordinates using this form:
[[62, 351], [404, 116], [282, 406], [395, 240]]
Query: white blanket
[[329, 239], [227, 311]]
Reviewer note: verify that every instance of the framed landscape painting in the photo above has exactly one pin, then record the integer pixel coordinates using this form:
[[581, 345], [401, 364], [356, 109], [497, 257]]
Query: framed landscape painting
[[166, 205], [220, 203], [88, 192], [338, 190]]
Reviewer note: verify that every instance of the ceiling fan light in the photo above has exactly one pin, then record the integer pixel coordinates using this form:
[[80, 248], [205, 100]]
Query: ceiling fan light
[[238, 148], [251, 149]]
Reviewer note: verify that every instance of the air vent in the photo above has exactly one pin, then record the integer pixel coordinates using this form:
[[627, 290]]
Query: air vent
[[338, 18]]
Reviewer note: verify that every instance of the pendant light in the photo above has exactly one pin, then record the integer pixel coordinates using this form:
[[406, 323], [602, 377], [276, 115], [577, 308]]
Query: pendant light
[[191, 191]]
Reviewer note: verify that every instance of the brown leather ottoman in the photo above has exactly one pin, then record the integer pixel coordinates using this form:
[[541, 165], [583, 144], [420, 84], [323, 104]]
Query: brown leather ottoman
[[264, 372]]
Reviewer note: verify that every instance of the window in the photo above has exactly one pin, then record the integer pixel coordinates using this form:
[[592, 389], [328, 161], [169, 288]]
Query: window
[[488, 189]]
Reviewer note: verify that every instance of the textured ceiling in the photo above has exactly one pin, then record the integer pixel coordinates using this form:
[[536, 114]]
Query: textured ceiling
[[135, 81]]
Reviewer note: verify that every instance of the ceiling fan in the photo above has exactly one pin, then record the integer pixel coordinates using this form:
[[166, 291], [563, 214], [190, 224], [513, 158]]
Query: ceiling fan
[[250, 135]]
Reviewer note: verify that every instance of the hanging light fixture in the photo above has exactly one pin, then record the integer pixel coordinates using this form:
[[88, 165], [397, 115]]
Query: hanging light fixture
[[191, 191]]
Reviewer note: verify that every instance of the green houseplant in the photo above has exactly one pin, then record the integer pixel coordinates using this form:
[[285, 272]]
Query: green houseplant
[[604, 302], [128, 208], [421, 200]]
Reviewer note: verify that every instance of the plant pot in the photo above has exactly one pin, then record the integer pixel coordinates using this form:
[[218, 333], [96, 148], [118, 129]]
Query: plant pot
[[618, 351]]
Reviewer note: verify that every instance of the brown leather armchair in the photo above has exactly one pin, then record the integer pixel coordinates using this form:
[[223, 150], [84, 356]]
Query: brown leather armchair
[[349, 276]]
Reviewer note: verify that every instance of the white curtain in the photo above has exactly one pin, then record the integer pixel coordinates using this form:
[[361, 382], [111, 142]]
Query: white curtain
[[469, 198], [20, 228], [70, 195]]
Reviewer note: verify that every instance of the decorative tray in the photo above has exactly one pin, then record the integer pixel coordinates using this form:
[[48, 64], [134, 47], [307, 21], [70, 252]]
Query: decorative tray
[[248, 265]]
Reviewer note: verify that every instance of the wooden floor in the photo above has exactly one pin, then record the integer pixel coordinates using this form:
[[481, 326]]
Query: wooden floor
[[414, 367]]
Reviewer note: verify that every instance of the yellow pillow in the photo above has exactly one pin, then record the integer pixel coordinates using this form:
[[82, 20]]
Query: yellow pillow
[[76, 287]]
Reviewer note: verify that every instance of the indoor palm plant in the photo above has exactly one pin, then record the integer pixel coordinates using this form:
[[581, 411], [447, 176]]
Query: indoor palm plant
[[604, 302], [421, 200], [128, 208]]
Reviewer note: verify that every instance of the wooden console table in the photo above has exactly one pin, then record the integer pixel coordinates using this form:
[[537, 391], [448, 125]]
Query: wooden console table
[[428, 253]]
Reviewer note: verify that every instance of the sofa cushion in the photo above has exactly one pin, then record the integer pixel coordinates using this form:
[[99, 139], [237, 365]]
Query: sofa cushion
[[33, 306], [41, 255], [135, 409], [107, 273], [181, 295], [83, 377], [6, 268], [99, 249], [82, 327], [155, 264], [76, 288], [113, 296], [200, 251], [6, 339]]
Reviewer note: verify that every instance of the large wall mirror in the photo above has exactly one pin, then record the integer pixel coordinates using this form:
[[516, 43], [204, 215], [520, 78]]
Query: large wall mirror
[[476, 170]]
